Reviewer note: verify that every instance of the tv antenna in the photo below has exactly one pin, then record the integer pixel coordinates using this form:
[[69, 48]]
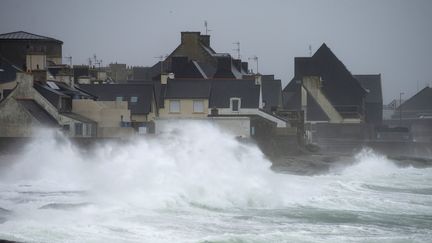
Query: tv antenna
[[206, 27], [96, 61], [237, 49], [255, 58], [69, 58], [161, 59], [310, 50]]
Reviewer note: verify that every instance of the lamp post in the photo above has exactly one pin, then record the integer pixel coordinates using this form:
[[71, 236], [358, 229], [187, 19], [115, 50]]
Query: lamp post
[[400, 108]]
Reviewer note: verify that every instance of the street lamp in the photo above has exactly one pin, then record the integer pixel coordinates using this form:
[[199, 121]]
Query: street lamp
[[400, 108]]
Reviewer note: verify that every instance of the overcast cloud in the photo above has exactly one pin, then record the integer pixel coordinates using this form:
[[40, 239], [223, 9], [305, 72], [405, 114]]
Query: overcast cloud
[[391, 37]]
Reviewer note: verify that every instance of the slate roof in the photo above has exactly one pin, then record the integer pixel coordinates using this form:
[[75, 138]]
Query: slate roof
[[22, 35], [78, 117], [271, 91], [339, 85], [420, 101], [38, 112], [372, 83], [7, 71], [223, 90], [109, 92], [188, 89]]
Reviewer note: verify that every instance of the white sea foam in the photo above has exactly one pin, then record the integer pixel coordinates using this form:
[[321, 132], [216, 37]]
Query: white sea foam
[[198, 183]]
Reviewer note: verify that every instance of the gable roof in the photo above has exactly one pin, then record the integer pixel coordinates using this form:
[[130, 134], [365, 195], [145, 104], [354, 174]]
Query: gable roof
[[223, 90], [372, 83], [109, 92], [420, 101], [188, 88], [22, 35], [38, 112], [338, 85]]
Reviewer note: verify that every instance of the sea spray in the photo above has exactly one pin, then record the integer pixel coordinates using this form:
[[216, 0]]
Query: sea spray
[[196, 183]]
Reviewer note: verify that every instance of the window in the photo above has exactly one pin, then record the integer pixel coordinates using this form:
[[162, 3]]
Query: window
[[198, 106], [88, 130], [235, 104], [78, 129], [134, 99], [174, 106], [119, 98]]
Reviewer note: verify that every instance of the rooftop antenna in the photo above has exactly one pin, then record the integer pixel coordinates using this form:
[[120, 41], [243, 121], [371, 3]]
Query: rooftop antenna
[[69, 58], [161, 59], [96, 61], [237, 49], [310, 50], [206, 27], [255, 58], [89, 62]]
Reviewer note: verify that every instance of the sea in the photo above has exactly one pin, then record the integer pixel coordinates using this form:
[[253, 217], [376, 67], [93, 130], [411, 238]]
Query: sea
[[197, 183]]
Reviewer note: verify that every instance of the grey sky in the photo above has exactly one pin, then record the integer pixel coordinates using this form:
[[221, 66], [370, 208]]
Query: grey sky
[[391, 37]]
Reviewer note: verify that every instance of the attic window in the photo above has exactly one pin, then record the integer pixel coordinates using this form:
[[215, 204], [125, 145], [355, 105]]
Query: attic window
[[134, 99], [119, 98], [235, 104]]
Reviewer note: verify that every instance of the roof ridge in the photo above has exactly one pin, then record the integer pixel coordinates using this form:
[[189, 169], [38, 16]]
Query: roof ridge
[[27, 33]]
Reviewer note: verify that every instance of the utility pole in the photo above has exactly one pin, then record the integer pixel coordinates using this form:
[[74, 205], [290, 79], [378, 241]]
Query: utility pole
[[161, 59], [400, 108], [206, 27]]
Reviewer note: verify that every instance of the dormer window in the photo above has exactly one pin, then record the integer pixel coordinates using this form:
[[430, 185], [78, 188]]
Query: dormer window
[[235, 104]]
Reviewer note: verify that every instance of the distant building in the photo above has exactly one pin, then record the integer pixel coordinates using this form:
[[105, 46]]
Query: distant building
[[195, 58], [18, 46], [373, 100], [324, 88], [118, 72]]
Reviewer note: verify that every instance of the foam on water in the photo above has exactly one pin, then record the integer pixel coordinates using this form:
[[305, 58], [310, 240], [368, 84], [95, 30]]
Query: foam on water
[[199, 183]]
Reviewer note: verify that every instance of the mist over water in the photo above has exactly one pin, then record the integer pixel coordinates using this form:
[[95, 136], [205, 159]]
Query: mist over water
[[199, 184]]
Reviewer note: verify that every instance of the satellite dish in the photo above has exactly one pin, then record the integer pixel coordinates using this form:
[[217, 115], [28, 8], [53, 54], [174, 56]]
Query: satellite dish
[[171, 75]]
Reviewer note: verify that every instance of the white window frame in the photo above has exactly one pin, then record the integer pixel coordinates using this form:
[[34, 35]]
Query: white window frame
[[198, 106], [232, 104], [172, 108]]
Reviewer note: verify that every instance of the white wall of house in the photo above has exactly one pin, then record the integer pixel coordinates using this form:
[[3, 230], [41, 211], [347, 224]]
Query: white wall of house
[[109, 116]]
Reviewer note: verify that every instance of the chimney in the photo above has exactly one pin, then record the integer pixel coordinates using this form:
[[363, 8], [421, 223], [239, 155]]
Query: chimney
[[237, 64], [224, 63], [245, 67], [190, 38], [205, 40], [166, 76], [258, 81]]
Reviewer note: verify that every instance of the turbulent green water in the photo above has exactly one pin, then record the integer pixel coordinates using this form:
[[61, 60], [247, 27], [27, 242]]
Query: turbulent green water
[[204, 186]]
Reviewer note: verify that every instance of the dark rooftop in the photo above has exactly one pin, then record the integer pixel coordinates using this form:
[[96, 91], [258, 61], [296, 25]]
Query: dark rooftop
[[223, 90], [188, 88], [22, 35], [38, 112], [372, 84], [420, 101], [109, 92]]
